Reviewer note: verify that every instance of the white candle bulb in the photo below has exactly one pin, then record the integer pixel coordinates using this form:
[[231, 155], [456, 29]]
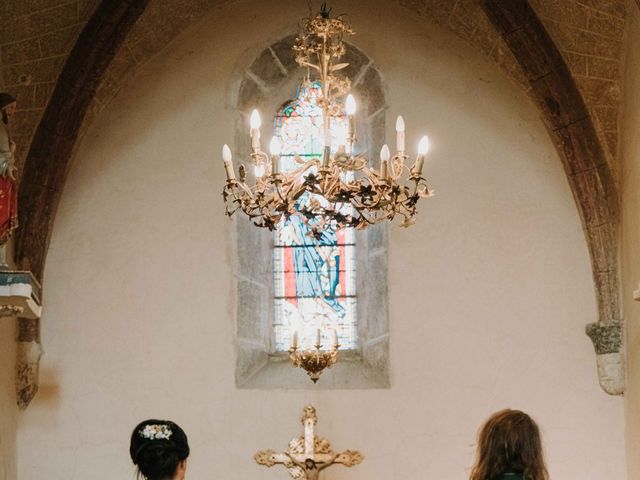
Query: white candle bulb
[[255, 130], [384, 153], [400, 134], [384, 161], [227, 159], [226, 153], [335, 337], [423, 146], [350, 105], [259, 170], [255, 120], [275, 147]]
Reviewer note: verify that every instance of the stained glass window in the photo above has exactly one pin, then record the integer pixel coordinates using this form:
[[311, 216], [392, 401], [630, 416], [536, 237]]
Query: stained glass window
[[315, 279]]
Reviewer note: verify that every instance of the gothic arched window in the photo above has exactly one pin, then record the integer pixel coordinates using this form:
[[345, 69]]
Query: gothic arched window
[[267, 300], [315, 278]]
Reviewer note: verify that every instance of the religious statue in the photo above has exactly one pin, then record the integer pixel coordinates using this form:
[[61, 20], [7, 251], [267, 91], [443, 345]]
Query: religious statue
[[8, 191], [308, 455], [312, 469], [316, 261]]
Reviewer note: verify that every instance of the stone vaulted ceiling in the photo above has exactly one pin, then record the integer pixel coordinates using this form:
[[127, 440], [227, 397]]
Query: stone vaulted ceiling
[[37, 36]]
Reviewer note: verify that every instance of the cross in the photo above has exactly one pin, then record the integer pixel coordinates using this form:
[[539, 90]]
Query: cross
[[306, 456]]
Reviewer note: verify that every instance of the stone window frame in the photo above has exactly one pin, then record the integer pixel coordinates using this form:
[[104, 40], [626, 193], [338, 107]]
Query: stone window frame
[[270, 81]]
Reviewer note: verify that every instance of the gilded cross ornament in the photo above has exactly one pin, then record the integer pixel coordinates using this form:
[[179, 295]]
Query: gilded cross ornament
[[307, 456]]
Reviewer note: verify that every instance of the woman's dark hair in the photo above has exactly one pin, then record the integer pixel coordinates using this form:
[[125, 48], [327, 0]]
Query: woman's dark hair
[[509, 442], [157, 448], [6, 99]]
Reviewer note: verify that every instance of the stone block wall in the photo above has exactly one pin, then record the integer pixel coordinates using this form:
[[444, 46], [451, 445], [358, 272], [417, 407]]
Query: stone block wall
[[36, 39], [588, 33], [40, 34]]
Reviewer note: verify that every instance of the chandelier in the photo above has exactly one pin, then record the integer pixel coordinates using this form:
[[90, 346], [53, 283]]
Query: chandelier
[[341, 189], [313, 360]]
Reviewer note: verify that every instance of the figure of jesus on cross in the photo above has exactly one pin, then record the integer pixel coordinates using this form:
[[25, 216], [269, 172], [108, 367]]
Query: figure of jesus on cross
[[307, 456]]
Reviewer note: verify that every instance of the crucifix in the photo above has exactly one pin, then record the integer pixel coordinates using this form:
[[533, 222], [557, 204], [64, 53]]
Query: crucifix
[[308, 455]]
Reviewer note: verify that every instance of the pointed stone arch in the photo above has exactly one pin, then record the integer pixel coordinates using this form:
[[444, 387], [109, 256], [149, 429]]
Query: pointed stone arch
[[571, 128], [50, 152], [560, 102]]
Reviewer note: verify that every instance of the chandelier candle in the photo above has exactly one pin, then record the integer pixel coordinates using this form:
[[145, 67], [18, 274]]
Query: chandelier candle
[[228, 162], [255, 130], [350, 110], [384, 161], [342, 141], [400, 134], [342, 189], [275, 147], [423, 148]]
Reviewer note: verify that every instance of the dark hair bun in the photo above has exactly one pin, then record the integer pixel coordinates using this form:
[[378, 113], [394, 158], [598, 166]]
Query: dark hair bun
[[157, 448], [6, 99]]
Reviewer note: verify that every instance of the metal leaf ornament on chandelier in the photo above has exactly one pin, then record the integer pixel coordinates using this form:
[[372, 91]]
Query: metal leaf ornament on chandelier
[[340, 189]]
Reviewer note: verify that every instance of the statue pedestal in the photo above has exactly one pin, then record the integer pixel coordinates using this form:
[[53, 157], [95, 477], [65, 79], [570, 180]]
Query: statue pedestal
[[20, 295]]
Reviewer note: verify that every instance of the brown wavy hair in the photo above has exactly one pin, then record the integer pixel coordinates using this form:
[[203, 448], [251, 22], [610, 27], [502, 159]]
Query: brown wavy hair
[[509, 442]]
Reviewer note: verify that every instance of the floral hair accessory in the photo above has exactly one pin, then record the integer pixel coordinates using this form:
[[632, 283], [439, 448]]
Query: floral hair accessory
[[156, 432]]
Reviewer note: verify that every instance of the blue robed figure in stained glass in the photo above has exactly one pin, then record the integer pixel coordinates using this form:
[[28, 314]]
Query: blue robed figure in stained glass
[[314, 277], [316, 261]]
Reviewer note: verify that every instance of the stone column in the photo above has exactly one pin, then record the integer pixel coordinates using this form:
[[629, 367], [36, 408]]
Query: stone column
[[607, 338]]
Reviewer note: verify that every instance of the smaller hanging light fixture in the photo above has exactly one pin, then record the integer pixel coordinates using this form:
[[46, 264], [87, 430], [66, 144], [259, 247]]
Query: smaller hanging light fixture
[[314, 360]]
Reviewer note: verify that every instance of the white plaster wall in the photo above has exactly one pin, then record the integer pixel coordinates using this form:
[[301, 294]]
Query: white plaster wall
[[631, 236], [8, 409], [489, 292]]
